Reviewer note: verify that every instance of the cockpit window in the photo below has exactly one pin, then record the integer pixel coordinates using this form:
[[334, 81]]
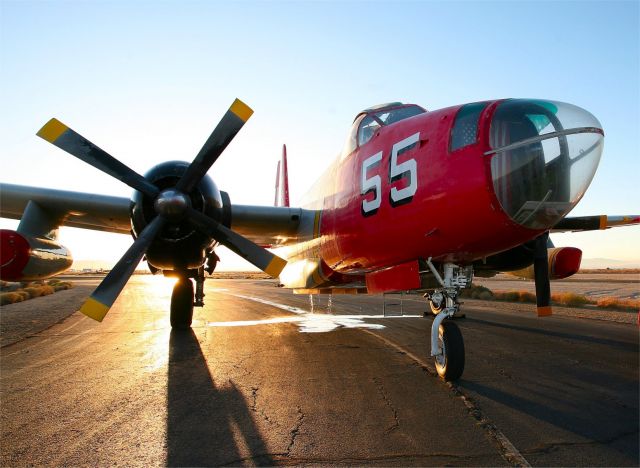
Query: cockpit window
[[368, 127], [369, 121], [387, 117], [465, 127], [351, 143]]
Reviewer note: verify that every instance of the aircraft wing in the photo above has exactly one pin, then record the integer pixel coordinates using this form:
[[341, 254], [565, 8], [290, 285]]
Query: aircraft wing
[[75, 209], [594, 223], [264, 225]]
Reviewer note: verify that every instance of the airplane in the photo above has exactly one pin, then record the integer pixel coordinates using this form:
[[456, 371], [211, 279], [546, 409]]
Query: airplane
[[416, 200]]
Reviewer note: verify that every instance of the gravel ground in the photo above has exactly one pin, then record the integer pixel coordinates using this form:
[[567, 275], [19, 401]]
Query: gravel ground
[[22, 319]]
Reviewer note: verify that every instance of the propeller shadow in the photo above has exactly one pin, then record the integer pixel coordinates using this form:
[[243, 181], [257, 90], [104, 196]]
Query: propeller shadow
[[207, 425]]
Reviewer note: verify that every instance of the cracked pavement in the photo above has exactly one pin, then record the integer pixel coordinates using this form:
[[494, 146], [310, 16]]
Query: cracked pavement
[[131, 392]]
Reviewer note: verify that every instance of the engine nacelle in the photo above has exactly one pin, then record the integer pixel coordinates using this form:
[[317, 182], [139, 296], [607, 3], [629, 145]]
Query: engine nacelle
[[26, 258], [178, 246], [563, 262]]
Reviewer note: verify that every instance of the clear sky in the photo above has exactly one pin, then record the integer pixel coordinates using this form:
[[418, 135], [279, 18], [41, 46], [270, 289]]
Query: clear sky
[[148, 81]]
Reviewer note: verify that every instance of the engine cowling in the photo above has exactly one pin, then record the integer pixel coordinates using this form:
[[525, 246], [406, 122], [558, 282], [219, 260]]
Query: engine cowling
[[26, 258], [563, 262], [179, 246]]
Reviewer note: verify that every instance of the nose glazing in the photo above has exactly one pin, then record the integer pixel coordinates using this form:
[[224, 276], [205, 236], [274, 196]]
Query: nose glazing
[[544, 155]]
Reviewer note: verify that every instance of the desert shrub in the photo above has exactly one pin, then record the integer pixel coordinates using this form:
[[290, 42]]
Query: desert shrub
[[46, 290], [569, 299], [616, 303], [10, 298], [23, 294], [34, 291], [62, 285], [509, 296], [474, 292], [477, 291], [525, 296], [485, 295]]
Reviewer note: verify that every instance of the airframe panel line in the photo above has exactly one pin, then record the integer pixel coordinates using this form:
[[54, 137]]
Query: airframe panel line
[[510, 452]]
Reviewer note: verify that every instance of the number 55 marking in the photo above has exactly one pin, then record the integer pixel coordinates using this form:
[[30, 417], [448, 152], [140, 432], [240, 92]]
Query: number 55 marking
[[371, 185], [397, 171]]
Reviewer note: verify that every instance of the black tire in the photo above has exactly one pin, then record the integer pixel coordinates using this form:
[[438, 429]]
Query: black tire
[[450, 367], [182, 304]]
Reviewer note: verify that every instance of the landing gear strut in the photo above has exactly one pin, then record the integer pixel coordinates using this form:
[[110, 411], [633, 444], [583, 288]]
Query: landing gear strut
[[447, 345]]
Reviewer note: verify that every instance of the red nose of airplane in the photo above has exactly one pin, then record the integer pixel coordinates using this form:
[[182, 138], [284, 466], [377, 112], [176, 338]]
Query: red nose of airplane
[[544, 155]]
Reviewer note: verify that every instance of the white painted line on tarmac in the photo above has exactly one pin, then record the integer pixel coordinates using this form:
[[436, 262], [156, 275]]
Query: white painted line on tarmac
[[307, 321]]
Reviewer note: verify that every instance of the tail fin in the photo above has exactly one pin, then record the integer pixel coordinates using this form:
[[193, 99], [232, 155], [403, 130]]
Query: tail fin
[[282, 181], [275, 201]]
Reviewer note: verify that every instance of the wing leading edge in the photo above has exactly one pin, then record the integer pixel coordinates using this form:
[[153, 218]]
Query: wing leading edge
[[595, 223], [75, 209], [265, 225]]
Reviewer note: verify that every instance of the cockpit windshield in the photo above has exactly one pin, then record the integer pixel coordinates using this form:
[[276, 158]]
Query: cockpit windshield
[[387, 117], [370, 120]]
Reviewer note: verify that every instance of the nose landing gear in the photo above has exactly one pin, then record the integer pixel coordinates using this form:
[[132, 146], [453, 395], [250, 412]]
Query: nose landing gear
[[447, 345]]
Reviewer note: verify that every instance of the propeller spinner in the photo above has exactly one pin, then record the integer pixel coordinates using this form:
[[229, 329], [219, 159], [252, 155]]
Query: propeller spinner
[[171, 204]]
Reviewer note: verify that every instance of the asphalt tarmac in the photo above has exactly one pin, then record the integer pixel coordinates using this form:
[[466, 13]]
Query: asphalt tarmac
[[262, 381]]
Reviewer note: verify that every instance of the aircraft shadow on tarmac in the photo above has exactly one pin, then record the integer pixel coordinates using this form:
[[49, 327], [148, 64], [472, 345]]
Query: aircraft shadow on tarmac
[[596, 403], [202, 417], [589, 419], [623, 346]]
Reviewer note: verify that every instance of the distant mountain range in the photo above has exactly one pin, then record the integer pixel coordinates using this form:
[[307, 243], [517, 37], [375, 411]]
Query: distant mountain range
[[594, 263]]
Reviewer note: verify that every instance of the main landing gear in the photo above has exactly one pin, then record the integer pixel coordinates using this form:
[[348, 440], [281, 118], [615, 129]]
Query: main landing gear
[[447, 345]]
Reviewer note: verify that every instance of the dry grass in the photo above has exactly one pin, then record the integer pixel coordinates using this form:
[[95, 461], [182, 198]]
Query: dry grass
[[570, 299], [11, 293], [616, 303], [563, 299]]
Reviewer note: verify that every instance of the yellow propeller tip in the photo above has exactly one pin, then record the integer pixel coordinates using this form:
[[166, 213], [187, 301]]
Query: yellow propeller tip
[[94, 309], [52, 130], [241, 110], [275, 266]]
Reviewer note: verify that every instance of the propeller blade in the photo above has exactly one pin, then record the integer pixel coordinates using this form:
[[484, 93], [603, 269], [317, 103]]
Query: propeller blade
[[541, 275], [269, 263], [63, 137], [108, 291], [231, 123]]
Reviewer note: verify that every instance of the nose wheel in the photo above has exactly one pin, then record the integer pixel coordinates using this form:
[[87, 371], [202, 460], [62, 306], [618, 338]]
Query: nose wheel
[[450, 363], [447, 345], [182, 304]]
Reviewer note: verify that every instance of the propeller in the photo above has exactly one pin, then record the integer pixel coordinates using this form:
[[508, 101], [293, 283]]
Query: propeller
[[541, 275], [63, 137], [172, 205]]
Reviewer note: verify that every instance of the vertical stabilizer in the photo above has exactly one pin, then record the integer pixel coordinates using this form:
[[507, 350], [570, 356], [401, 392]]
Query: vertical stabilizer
[[277, 196], [282, 181], [285, 177]]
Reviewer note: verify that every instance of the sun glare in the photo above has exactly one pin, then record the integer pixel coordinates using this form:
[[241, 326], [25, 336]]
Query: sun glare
[[159, 286]]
